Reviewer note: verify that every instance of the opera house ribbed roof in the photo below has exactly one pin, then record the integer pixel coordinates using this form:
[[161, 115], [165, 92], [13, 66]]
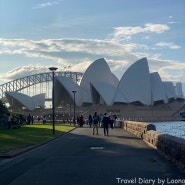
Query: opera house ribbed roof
[[100, 86], [19, 100], [135, 84]]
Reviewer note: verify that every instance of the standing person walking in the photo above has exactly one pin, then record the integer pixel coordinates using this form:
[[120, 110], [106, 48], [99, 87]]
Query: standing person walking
[[95, 123], [81, 121], [100, 120], [111, 117], [106, 121], [90, 120]]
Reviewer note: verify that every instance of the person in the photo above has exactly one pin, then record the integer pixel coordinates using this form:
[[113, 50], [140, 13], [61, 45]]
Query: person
[[44, 120], [38, 118], [81, 121], [106, 121], [78, 120], [111, 121], [9, 120], [5, 120], [115, 118], [90, 120], [13, 120], [21, 119], [95, 123], [32, 119], [29, 119], [100, 120]]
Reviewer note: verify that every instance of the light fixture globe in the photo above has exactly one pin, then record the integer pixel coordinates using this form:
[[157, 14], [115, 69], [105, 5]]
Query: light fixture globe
[[53, 69]]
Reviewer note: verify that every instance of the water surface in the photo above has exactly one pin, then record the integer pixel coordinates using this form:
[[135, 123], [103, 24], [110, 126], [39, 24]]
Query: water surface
[[175, 128]]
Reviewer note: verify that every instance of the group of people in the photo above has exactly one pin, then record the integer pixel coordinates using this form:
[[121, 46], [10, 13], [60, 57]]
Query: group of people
[[30, 119], [95, 121], [17, 120], [12, 121], [101, 120], [80, 121]]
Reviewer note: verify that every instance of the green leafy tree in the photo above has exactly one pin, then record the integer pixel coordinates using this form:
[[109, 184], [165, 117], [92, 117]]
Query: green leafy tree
[[3, 109]]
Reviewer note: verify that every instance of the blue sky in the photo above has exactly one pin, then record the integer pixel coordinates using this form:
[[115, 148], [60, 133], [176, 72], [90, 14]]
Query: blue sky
[[71, 34]]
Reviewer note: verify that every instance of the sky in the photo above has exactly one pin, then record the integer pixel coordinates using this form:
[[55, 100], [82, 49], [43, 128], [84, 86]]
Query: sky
[[71, 34]]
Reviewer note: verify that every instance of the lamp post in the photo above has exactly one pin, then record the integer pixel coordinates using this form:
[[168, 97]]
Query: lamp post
[[74, 116], [53, 69]]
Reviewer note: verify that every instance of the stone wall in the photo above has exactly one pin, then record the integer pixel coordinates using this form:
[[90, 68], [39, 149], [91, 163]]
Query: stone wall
[[138, 128], [172, 147]]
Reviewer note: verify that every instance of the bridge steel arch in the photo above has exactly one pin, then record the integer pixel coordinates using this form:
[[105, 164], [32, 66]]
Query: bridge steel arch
[[28, 81]]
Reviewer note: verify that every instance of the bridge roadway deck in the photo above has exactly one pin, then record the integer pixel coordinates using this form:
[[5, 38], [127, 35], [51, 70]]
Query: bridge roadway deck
[[80, 158]]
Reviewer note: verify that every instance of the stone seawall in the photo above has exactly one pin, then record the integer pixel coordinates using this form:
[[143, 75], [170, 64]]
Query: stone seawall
[[172, 147], [138, 128]]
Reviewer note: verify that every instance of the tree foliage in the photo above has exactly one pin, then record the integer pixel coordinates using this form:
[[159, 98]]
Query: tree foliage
[[3, 109]]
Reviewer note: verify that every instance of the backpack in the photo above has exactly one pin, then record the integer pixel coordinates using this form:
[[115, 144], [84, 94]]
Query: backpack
[[95, 119]]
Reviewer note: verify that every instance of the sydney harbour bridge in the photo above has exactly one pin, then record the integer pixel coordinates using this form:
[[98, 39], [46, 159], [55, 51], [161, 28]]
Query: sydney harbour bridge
[[42, 83], [36, 84]]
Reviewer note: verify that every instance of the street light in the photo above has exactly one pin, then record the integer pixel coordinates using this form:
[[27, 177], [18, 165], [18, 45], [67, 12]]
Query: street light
[[74, 108], [53, 69]]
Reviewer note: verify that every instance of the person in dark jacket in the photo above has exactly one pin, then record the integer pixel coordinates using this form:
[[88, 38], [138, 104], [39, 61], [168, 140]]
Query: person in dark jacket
[[106, 121], [81, 121]]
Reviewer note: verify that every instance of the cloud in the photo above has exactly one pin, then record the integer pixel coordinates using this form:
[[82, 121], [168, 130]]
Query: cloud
[[64, 50], [126, 33], [156, 28], [169, 70], [168, 45], [174, 22], [47, 4], [80, 53], [23, 71]]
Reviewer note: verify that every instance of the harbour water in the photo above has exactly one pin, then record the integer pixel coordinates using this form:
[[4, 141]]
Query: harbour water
[[175, 128]]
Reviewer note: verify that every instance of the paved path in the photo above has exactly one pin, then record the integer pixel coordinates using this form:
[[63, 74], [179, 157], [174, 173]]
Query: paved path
[[80, 158]]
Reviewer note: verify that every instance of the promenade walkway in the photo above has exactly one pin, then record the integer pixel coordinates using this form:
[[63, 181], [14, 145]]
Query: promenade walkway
[[80, 158]]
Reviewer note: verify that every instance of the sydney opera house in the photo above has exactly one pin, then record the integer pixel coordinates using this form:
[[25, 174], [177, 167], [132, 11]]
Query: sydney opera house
[[100, 86], [137, 93]]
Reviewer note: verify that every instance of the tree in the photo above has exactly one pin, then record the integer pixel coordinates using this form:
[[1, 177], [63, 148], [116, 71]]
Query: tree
[[3, 109]]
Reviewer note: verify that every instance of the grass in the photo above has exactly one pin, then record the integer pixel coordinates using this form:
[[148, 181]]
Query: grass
[[29, 135]]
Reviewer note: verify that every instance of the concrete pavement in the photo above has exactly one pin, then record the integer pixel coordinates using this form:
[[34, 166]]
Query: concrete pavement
[[80, 158]]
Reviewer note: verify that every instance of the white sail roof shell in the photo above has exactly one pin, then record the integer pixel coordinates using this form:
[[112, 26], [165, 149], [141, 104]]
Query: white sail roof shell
[[169, 90], [106, 91], [99, 75], [119, 97], [158, 90], [20, 100], [178, 90], [39, 100], [64, 84], [135, 83]]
